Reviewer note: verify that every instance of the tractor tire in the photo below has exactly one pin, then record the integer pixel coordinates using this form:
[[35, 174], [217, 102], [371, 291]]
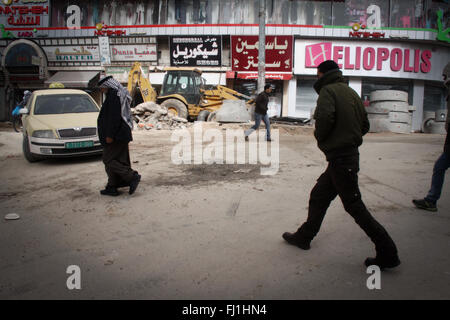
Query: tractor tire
[[26, 151], [212, 116], [203, 115], [176, 107]]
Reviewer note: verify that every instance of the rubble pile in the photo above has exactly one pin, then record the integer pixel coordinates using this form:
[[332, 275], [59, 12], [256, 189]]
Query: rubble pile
[[149, 115]]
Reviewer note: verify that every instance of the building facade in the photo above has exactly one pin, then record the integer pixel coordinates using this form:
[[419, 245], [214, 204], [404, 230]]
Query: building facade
[[380, 44]]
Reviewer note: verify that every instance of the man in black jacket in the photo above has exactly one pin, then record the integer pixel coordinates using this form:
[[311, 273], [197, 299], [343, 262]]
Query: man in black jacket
[[114, 129], [261, 112], [341, 121]]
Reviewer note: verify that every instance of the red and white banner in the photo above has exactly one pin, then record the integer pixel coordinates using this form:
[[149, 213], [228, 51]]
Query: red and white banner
[[244, 54]]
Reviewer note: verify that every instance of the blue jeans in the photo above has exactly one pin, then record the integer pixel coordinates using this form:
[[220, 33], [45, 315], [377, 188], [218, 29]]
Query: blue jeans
[[258, 118], [437, 181]]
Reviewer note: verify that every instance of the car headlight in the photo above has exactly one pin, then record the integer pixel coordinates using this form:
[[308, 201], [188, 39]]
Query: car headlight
[[43, 134]]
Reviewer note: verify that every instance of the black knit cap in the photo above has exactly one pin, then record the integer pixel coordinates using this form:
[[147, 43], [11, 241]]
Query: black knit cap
[[327, 66]]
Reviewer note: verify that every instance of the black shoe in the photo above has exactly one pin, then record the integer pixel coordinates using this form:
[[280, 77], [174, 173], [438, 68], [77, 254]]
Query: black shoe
[[269, 139], [109, 191], [246, 138], [424, 204], [383, 263], [134, 183], [292, 239]]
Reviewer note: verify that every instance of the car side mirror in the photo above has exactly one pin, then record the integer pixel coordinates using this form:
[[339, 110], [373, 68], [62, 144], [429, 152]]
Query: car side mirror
[[23, 111]]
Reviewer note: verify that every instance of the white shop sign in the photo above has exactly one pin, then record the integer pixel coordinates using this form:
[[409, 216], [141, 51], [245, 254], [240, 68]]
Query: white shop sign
[[135, 52], [105, 57], [373, 59], [72, 53]]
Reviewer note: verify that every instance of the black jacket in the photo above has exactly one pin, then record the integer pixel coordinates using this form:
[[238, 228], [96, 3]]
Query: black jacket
[[261, 103], [341, 119], [110, 122]]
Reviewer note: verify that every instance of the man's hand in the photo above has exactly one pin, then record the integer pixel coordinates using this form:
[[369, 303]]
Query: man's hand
[[109, 140]]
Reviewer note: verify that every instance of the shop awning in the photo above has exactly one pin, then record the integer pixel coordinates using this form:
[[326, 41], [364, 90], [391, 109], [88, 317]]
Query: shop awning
[[75, 79], [254, 75]]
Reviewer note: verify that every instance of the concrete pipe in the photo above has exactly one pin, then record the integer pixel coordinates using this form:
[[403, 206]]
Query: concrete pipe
[[400, 106], [388, 95], [398, 127], [402, 117]]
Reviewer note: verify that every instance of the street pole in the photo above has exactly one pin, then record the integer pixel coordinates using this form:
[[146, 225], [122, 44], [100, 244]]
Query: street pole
[[262, 46]]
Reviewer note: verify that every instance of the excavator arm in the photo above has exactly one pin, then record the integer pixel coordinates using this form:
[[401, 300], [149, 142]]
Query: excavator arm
[[219, 93], [137, 79]]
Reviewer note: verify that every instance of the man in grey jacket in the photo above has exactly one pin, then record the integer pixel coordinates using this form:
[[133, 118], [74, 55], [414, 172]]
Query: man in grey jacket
[[442, 163]]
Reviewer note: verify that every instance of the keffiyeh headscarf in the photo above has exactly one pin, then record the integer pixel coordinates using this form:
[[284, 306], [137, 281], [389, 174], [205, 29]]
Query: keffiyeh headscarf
[[124, 96]]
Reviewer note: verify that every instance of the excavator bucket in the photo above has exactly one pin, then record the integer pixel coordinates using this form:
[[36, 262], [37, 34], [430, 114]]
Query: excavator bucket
[[233, 111]]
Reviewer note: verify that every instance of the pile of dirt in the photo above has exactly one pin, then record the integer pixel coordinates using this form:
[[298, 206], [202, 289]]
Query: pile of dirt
[[150, 115]]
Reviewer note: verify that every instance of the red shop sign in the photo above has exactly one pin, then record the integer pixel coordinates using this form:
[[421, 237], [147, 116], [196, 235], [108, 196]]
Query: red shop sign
[[244, 53]]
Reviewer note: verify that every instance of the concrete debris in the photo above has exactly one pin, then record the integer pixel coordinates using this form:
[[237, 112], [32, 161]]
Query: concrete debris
[[233, 111], [152, 116]]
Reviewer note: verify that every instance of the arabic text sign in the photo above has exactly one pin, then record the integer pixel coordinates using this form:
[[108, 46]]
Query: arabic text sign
[[25, 13], [72, 53], [137, 52], [244, 53], [105, 57], [196, 51]]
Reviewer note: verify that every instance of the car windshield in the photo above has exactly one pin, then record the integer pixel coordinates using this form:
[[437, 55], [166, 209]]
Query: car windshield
[[64, 103]]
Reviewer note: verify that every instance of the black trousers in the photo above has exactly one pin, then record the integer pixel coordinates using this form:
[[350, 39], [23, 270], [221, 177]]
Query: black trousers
[[116, 157], [341, 178]]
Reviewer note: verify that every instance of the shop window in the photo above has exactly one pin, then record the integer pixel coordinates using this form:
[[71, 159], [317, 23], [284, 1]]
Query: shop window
[[306, 98], [369, 85], [193, 11], [307, 12], [434, 97], [239, 12], [109, 12], [432, 7], [408, 14], [364, 12]]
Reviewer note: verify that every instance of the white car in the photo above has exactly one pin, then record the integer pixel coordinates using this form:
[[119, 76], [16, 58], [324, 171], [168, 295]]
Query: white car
[[60, 123]]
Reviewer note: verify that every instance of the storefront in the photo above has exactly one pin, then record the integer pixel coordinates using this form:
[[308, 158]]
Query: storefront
[[278, 67], [372, 65]]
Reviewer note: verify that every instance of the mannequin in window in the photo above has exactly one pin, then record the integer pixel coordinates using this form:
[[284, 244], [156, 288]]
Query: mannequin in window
[[105, 13], [131, 13], [140, 11], [113, 13], [122, 15]]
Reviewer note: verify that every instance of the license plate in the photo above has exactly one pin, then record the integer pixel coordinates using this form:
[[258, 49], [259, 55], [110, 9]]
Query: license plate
[[79, 144]]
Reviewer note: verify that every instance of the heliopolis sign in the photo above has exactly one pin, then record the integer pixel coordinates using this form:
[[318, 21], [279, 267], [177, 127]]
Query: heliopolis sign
[[369, 59]]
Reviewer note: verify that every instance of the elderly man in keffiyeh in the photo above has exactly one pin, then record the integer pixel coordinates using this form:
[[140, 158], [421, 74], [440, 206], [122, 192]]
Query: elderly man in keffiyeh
[[114, 130]]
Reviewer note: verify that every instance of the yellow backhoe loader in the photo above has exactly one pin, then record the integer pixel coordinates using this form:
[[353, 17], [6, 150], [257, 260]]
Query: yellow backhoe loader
[[183, 92]]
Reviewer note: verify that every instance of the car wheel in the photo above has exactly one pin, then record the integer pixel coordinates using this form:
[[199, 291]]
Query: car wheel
[[26, 151]]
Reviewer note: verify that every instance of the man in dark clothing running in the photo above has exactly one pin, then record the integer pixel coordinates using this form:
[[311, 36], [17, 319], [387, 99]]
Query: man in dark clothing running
[[341, 121], [114, 129], [442, 163], [261, 112]]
